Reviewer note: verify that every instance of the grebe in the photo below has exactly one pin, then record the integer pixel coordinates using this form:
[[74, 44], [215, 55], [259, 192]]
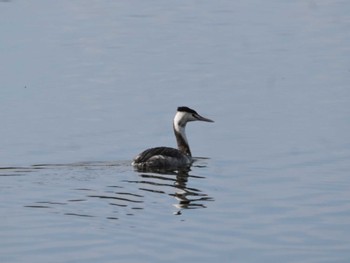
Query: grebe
[[166, 157]]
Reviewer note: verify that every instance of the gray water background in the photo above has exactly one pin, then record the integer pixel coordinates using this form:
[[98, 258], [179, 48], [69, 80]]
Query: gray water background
[[86, 85]]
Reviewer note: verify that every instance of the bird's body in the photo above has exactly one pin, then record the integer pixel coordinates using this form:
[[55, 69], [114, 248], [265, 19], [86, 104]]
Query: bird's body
[[162, 157], [166, 157]]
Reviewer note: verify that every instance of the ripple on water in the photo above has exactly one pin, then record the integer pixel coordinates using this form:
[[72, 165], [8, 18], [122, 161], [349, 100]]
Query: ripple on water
[[79, 189], [80, 205]]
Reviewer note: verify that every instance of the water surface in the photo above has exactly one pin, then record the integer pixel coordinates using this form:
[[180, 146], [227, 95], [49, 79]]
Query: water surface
[[86, 85]]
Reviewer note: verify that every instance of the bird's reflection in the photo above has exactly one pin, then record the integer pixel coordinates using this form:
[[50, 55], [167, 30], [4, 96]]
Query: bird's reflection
[[177, 180]]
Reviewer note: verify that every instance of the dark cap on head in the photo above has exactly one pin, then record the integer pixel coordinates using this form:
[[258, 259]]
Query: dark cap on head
[[186, 109]]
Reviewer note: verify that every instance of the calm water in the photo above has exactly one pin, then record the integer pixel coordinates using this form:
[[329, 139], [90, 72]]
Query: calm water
[[86, 85]]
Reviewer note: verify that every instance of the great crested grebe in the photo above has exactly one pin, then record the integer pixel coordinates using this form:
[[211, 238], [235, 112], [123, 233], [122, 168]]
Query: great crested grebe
[[166, 157]]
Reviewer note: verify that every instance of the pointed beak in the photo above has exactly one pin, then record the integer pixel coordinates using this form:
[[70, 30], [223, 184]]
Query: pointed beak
[[200, 118]]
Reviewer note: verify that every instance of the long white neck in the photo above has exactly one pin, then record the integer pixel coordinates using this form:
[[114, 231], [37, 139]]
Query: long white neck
[[179, 126]]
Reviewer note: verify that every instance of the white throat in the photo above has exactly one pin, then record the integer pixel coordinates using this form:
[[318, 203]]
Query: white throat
[[180, 125]]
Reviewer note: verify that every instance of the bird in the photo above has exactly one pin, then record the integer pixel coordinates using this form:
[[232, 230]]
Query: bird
[[167, 157]]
